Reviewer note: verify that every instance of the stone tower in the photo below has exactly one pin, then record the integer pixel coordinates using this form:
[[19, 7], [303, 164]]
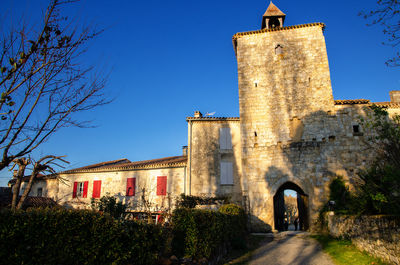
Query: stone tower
[[284, 84]]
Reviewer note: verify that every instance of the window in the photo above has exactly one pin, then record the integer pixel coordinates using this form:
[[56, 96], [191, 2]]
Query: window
[[273, 23], [80, 189], [96, 189], [225, 139], [226, 173], [39, 192], [278, 49], [357, 130], [162, 185], [130, 186]]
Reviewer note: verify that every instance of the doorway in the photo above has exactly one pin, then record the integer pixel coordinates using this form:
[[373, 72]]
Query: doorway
[[290, 208]]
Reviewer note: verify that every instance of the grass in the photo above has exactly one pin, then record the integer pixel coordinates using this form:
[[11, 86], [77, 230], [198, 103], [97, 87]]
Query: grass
[[242, 256], [344, 252]]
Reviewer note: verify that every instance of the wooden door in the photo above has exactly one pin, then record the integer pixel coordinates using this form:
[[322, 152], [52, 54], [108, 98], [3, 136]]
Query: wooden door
[[302, 204], [279, 211]]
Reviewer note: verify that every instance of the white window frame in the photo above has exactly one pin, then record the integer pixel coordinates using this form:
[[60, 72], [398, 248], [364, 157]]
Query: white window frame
[[225, 138], [226, 169], [41, 192], [79, 189]]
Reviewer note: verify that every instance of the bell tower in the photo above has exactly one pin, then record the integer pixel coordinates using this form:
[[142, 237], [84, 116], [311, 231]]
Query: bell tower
[[273, 17], [284, 93]]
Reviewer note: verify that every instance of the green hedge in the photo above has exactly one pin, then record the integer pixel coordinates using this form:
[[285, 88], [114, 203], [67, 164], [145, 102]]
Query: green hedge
[[43, 236], [202, 233]]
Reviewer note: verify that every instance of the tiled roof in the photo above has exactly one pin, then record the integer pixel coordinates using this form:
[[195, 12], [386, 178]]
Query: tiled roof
[[101, 165], [173, 161], [387, 104], [39, 202], [351, 101], [241, 34], [212, 118], [30, 201], [273, 10]]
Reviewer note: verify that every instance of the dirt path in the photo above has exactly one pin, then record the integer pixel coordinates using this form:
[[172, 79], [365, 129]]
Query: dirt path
[[292, 248]]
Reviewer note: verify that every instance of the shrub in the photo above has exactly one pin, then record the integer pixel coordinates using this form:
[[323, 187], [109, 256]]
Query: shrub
[[237, 229], [108, 204], [339, 192], [379, 185], [378, 190], [203, 233], [45, 236], [190, 201]]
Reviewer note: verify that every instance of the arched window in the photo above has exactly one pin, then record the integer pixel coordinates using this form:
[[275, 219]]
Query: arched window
[[274, 23], [278, 49]]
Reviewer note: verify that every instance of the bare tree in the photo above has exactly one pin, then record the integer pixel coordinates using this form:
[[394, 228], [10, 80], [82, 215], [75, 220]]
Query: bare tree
[[387, 15], [45, 165], [44, 81]]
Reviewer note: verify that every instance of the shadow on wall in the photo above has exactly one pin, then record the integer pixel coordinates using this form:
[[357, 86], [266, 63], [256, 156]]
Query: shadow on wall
[[327, 147], [291, 129], [206, 165]]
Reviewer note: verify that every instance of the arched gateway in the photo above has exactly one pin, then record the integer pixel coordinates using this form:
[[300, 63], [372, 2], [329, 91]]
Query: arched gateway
[[279, 206]]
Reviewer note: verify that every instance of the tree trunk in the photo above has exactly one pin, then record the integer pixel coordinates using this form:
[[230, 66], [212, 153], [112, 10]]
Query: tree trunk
[[15, 192], [28, 187], [22, 163]]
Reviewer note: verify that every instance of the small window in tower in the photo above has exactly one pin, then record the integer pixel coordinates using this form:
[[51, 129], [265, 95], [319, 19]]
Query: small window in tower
[[278, 49], [357, 131]]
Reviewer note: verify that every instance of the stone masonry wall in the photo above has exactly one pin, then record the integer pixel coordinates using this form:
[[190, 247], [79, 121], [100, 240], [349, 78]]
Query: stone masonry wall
[[378, 235], [205, 156], [291, 131]]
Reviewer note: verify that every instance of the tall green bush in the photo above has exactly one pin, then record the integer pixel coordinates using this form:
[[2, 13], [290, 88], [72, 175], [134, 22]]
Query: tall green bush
[[378, 190], [237, 229], [203, 233], [340, 194], [45, 236]]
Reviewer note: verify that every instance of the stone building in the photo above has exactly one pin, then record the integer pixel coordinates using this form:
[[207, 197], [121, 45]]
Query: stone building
[[291, 134]]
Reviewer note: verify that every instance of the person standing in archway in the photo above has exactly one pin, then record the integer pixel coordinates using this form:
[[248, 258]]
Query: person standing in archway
[[296, 223]]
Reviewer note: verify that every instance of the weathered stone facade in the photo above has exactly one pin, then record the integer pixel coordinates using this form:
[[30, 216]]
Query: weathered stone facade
[[378, 235], [206, 155]]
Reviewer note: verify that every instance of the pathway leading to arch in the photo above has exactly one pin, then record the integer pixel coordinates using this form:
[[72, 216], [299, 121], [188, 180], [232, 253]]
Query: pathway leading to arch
[[294, 248]]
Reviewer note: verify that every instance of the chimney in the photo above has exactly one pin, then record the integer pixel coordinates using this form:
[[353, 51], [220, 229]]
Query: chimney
[[394, 96], [184, 150], [198, 114]]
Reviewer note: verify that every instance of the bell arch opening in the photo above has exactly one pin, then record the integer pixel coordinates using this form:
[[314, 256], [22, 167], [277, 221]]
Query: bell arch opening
[[283, 216]]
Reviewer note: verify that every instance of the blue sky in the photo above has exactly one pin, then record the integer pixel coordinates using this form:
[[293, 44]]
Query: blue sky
[[170, 58]]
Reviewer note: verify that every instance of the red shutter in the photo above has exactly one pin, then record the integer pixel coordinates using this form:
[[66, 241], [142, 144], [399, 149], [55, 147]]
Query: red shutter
[[162, 185], [96, 189], [85, 187], [130, 186], [75, 188]]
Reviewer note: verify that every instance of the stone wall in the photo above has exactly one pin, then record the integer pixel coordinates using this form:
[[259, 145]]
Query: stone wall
[[205, 156], [291, 129], [378, 235]]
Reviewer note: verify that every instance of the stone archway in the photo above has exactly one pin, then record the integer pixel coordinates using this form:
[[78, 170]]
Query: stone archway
[[279, 206]]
